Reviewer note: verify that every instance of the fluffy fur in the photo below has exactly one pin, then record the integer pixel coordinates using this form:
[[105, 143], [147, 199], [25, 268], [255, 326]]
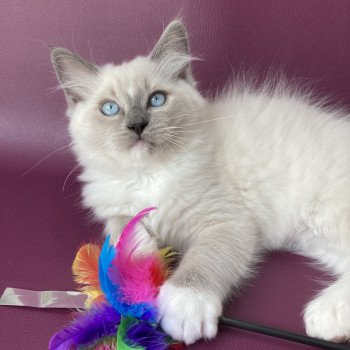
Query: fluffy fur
[[255, 169]]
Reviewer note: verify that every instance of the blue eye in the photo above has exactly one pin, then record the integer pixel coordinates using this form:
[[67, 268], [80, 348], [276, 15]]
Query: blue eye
[[110, 108], [157, 99]]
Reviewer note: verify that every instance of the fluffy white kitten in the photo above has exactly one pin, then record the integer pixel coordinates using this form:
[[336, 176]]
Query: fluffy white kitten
[[255, 169]]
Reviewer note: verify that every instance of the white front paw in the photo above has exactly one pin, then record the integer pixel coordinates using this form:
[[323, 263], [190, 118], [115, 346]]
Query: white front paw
[[187, 315], [328, 317]]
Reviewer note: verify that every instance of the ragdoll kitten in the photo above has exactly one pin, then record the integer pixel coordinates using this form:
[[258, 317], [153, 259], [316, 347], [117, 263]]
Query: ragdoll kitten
[[254, 169]]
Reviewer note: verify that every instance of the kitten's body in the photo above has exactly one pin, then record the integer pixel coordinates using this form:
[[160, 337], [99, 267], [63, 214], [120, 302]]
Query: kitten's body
[[253, 170]]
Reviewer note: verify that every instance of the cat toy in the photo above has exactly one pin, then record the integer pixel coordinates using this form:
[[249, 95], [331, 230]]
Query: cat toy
[[121, 287]]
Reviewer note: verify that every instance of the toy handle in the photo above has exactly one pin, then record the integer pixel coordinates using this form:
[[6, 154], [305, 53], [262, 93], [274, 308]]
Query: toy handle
[[277, 333]]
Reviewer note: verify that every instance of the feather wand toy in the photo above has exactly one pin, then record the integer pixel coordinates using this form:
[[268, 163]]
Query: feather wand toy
[[121, 288]]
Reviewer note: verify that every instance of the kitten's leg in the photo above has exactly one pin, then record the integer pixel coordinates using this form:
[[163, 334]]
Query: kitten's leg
[[190, 302], [115, 225], [328, 315]]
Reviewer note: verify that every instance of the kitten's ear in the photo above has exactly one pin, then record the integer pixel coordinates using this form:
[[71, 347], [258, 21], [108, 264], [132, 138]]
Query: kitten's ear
[[77, 77], [172, 52]]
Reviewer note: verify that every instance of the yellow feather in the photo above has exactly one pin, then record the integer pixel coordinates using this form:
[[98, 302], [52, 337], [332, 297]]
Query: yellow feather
[[168, 255], [85, 272]]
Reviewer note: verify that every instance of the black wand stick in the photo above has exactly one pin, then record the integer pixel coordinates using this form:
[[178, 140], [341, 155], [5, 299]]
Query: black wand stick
[[277, 333]]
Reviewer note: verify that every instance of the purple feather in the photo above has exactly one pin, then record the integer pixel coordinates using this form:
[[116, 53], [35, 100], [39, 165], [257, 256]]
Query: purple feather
[[100, 321], [146, 335]]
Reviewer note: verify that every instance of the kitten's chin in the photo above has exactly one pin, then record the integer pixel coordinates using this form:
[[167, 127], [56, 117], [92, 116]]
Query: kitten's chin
[[141, 147]]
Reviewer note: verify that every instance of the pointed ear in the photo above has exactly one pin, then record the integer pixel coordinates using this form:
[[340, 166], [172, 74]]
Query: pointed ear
[[77, 77], [172, 52]]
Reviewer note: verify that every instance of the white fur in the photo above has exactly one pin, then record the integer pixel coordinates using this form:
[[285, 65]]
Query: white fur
[[196, 318], [327, 316], [255, 169]]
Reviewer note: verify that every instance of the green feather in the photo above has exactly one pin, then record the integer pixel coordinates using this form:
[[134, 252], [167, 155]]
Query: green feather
[[121, 334]]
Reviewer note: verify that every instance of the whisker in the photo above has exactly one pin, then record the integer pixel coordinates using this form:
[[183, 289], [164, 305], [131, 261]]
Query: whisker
[[192, 131], [177, 139], [176, 135], [207, 121], [179, 116], [70, 173], [43, 159], [169, 127], [178, 127], [180, 146], [80, 164], [165, 143], [167, 146]]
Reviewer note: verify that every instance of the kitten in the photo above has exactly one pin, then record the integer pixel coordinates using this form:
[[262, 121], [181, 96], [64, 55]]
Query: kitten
[[255, 169]]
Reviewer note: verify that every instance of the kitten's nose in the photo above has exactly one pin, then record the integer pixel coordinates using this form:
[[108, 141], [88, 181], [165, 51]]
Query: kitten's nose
[[138, 127]]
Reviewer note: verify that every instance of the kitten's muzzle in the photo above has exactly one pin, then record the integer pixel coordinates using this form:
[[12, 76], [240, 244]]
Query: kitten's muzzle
[[138, 128]]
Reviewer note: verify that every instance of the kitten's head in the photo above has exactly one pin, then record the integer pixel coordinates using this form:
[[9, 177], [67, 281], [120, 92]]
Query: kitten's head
[[138, 107]]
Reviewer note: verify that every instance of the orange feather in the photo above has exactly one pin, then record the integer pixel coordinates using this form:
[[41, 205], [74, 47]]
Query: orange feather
[[85, 272]]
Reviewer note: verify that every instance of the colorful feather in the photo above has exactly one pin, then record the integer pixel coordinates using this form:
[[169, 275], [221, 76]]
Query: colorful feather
[[107, 343], [85, 272], [138, 277], [145, 335], [107, 255], [139, 280], [110, 289], [100, 321], [128, 282], [105, 347], [127, 242]]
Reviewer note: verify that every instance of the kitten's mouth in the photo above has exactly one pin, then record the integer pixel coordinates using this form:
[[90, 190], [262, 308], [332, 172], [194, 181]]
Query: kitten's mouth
[[142, 145]]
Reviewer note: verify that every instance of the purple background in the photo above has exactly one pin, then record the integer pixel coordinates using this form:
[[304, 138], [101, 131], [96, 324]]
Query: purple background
[[41, 225]]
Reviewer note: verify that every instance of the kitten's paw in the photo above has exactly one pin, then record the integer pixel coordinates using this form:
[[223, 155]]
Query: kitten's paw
[[187, 315], [328, 317]]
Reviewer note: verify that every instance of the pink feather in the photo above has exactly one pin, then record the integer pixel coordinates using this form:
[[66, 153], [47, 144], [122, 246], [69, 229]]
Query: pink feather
[[138, 276], [125, 241]]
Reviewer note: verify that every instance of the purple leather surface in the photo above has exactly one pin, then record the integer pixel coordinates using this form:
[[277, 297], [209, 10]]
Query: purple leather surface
[[42, 226]]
